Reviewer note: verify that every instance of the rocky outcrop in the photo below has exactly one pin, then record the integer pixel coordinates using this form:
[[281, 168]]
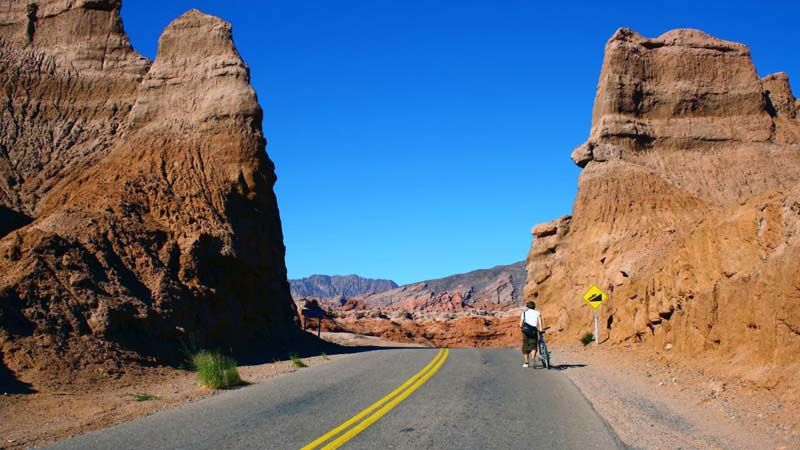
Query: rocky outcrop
[[478, 328], [338, 287], [477, 308], [686, 210], [494, 288], [70, 78], [146, 191]]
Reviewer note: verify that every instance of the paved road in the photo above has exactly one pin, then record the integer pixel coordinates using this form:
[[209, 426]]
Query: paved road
[[478, 399]]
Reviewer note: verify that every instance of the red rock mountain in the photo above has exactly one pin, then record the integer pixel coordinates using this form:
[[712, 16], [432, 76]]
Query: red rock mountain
[[688, 209], [136, 197], [470, 309]]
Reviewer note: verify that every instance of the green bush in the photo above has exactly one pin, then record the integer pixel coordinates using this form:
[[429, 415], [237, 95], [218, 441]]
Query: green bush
[[587, 339], [143, 397], [296, 361], [215, 370]]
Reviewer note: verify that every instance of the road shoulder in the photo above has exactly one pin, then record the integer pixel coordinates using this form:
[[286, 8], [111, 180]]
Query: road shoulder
[[652, 405], [51, 415]]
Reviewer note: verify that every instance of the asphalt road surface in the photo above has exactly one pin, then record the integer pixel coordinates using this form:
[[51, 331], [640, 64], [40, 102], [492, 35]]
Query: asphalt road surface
[[401, 398]]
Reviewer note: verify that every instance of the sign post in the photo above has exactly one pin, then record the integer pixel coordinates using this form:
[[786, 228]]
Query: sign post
[[595, 297]]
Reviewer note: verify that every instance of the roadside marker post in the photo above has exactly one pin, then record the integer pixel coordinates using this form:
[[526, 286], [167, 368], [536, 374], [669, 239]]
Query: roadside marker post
[[315, 313], [595, 297]]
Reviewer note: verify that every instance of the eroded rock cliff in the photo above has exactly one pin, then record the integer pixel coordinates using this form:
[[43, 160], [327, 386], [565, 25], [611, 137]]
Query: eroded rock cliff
[[141, 194], [687, 210]]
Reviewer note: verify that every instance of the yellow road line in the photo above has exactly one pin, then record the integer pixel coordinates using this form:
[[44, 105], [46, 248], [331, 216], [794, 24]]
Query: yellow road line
[[353, 432], [440, 357]]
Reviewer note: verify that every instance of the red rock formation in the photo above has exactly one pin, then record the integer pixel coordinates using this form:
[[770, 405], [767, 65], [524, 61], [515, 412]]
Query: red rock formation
[[477, 308], [687, 209], [147, 186]]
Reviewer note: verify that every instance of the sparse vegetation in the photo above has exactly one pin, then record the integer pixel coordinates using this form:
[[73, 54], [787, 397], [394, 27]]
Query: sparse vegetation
[[215, 370], [296, 361], [188, 348], [324, 356], [587, 339], [144, 396]]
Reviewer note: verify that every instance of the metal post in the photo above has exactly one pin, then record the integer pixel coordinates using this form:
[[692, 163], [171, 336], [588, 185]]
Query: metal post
[[596, 333], [319, 326]]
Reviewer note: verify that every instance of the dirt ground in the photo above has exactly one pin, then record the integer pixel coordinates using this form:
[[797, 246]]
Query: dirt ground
[[49, 415], [655, 404]]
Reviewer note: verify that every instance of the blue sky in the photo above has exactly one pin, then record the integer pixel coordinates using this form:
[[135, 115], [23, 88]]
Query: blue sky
[[417, 139]]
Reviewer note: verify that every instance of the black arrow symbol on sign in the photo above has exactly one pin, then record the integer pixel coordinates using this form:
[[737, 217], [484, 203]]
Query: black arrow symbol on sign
[[596, 298]]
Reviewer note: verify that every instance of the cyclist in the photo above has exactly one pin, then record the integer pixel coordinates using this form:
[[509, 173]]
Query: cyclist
[[531, 322]]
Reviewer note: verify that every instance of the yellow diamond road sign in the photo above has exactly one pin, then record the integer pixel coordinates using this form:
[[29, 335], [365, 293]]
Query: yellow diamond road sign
[[594, 297]]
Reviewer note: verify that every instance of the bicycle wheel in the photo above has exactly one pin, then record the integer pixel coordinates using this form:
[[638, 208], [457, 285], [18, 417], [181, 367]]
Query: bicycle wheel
[[544, 354]]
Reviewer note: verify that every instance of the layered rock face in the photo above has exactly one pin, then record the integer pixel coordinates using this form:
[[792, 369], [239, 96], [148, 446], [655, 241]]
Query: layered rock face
[[140, 193], [687, 210]]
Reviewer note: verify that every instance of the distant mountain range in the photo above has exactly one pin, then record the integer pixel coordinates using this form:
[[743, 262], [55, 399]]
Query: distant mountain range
[[499, 286], [338, 286]]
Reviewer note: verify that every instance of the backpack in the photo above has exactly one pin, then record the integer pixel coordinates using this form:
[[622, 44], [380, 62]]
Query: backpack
[[529, 330]]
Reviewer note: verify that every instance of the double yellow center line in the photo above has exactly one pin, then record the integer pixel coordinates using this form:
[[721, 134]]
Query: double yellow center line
[[375, 411]]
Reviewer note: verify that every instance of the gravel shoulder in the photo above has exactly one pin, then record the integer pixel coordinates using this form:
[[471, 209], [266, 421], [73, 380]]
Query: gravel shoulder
[[653, 404]]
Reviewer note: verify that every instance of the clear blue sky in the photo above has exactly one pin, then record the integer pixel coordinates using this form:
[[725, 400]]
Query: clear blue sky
[[416, 139]]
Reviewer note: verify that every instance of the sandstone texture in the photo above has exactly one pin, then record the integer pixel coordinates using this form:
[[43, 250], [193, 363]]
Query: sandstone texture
[[688, 210], [136, 201]]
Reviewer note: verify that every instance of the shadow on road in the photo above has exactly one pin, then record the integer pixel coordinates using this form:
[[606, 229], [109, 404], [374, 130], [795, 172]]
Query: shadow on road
[[9, 382], [567, 366], [304, 345]]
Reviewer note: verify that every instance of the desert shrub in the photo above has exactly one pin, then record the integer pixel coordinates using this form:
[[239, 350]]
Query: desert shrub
[[296, 361], [143, 396], [324, 356], [215, 370], [188, 348], [587, 339]]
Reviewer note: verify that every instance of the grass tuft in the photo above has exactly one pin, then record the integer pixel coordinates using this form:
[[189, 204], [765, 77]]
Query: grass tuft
[[144, 397], [587, 339], [215, 370], [324, 356], [296, 361]]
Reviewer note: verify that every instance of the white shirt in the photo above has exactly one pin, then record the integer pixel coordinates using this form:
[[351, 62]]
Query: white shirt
[[531, 317]]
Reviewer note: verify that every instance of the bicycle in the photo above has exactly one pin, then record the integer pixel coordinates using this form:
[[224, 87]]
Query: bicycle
[[544, 354]]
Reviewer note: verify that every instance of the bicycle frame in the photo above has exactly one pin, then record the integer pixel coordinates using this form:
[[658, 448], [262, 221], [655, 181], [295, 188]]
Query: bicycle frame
[[544, 354]]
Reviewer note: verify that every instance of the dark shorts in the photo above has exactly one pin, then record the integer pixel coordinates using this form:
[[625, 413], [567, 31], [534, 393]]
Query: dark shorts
[[529, 344]]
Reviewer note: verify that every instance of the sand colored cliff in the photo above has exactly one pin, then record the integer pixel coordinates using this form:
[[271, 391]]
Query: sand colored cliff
[[688, 209], [136, 196]]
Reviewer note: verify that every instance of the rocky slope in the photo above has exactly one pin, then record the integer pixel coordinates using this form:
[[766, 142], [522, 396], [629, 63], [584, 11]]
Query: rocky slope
[[140, 194], [338, 287], [493, 288], [688, 209], [473, 308]]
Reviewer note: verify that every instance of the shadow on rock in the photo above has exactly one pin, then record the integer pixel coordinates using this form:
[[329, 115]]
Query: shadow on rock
[[10, 384]]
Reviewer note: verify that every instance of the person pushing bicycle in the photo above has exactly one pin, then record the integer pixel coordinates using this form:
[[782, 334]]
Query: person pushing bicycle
[[531, 322]]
